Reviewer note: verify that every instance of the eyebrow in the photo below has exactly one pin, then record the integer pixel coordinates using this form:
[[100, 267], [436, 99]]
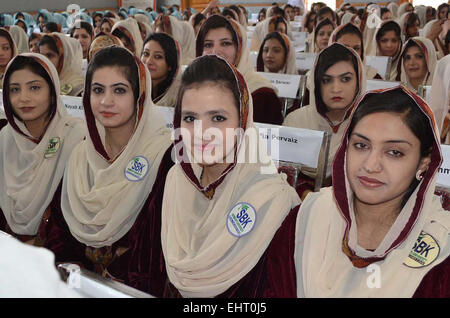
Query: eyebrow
[[340, 75], [212, 40], [211, 112], [113, 85], [387, 141], [30, 82]]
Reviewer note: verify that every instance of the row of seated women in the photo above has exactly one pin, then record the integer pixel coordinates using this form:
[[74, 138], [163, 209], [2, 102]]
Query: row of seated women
[[189, 217]]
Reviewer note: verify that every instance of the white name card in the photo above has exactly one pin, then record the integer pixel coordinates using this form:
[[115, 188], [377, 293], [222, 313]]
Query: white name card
[[296, 25], [380, 63], [443, 177], [379, 84], [425, 92], [167, 113], [283, 143], [287, 84], [291, 144], [305, 61], [74, 106]]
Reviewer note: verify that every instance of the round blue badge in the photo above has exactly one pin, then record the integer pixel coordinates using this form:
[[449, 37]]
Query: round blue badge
[[241, 219], [137, 169]]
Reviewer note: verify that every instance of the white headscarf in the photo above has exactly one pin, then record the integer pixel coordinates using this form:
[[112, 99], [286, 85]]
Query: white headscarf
[[440, 91], [203, 258], [427, 47], [20, 38], [289, 66], [402, 9], [421, 11], [329, 261], [243, 62], [310, 116], [426, 31], [70, 63], [28, 185], [130, 27], [99, 202], [393, 7], [183, 32]]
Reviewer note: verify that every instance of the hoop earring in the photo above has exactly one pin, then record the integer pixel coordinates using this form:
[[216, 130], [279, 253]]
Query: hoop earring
[[418, 175]]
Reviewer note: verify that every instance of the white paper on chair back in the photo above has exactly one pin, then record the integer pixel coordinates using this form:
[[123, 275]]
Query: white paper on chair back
[[287, 84], [74, 106], [291, 144], [443, 178]]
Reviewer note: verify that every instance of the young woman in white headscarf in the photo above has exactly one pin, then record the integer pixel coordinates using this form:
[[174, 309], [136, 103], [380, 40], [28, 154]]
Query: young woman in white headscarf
[[42, 135], [226, 218], [440, 98], [389, 43], [336, 81], [379, 231], [8, 50], [162, 56], [417, 63], [128, 32], [114, 181], [351, 36], [228, 39], [181, 31], [66, 55]]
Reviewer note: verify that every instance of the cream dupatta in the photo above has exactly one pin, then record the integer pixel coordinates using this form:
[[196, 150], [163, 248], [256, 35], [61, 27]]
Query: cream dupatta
[[203, 258], [326, 227], [100, 201], [29, 173], [427, 48]]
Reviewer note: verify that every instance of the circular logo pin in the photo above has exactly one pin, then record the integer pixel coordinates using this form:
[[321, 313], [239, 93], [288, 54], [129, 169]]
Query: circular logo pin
[[137, 169], [424, 251], [241, 219]]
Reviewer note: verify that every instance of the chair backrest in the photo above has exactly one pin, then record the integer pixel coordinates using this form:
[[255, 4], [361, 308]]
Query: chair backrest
[[92, 285], [297, 148], [168, 113], [443, 177], [380, 63], [304, 61], [425, 92], [254, 58]]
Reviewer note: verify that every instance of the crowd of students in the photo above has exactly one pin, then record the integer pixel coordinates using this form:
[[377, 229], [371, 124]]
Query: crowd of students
[[188, 213]]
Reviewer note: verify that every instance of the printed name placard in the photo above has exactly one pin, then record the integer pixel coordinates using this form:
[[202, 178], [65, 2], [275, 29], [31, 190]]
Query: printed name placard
[[292, 144], [287, 84], [379, 63], [425, 92], [379, 84], [74, 106], [443, 178], [305, 61], [84, 66], [283, 143], [254, 57]]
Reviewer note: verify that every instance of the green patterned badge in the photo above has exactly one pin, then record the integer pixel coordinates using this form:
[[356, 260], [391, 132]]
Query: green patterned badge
[[53, 147]]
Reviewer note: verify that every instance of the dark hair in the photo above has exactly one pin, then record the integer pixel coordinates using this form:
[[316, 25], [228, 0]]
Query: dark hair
[[207, 69], [389, 26], [170, 54], [383, 11], [328, 57], [288, 6], [114, 56], [399, 102], [350, 28], [83, 25], [323, 11], [273, 35], [308, 19], [34, 36], [5, 33], [410, 20], [198, 18], [26, 62], [278, 20], [50, 42], [277, 11], [213, 22], [52, 27], [408, 45], [352, 10], [441, 7], [120, 34], [235, 9], [360, 13], [108, 14], [447, 38], [228, 12]]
